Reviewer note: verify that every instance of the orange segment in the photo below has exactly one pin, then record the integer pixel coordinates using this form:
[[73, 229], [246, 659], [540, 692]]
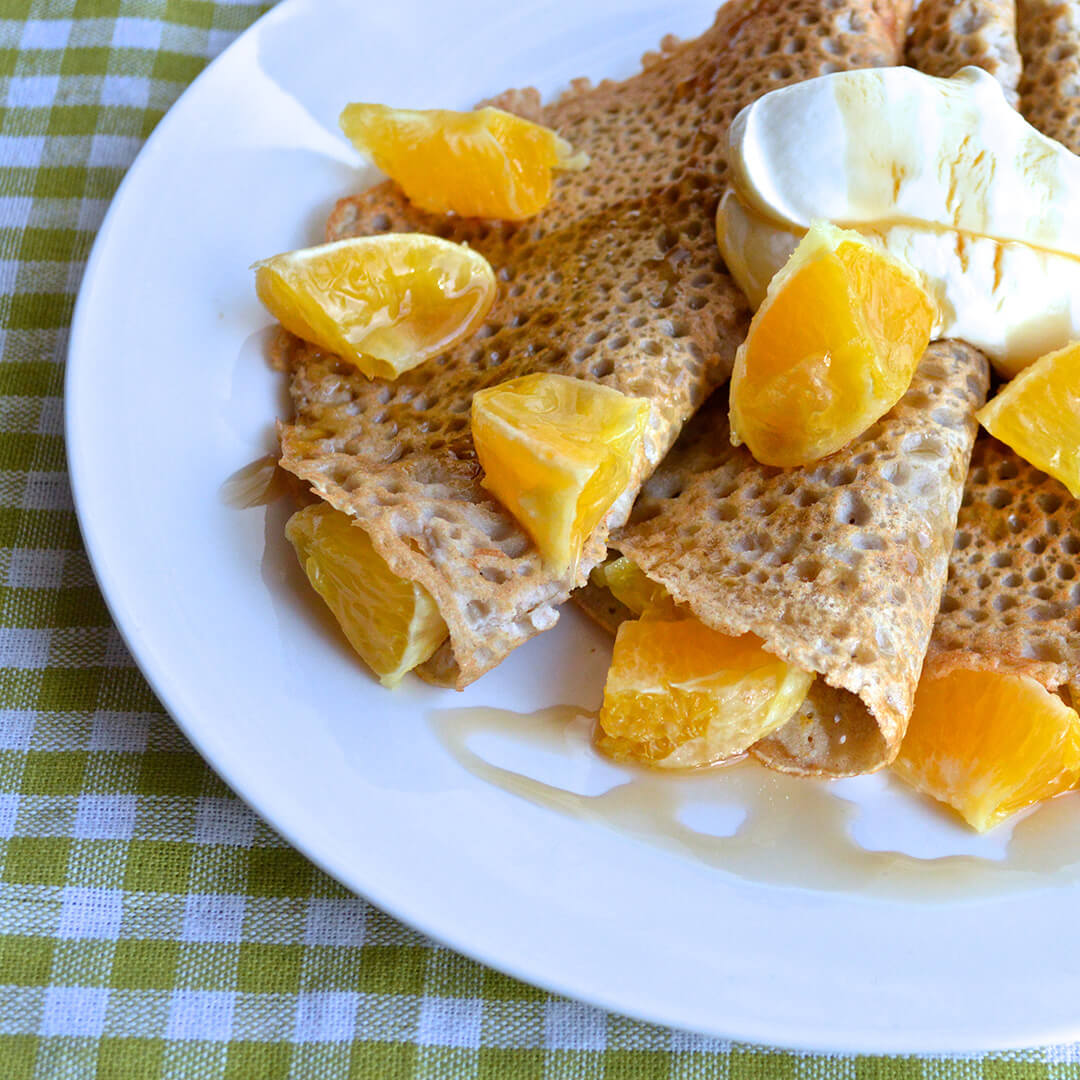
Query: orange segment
[[832, 348], [384, 303], [989, 744], [1038, 415], [486, 163], [629, 584], [557, 452], [392, 623], [680, 695]]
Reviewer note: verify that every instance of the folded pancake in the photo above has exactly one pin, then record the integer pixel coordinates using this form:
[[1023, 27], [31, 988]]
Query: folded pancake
[[839, 568], [1012, 604], [947, 35], [618, 281], [1049, 35]]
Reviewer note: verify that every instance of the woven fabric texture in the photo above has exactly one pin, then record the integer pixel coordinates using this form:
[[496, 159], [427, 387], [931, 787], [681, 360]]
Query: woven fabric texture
[[150, 924]]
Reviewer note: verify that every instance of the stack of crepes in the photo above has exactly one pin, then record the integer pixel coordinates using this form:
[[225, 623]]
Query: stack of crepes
[[618, 281], [840, 567]]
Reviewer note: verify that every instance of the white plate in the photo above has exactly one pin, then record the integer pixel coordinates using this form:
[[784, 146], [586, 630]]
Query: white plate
[[789, 934]]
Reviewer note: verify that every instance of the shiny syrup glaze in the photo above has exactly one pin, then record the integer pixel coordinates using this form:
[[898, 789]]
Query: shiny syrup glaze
[[796, 832]]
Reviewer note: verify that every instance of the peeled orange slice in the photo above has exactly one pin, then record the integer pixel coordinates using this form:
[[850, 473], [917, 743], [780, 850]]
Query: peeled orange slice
[[680, 695], [628, 583], [384, 303], [832, 348], [1038, 415], [486, 163], [557, 452], [392, 623], [989, 744]]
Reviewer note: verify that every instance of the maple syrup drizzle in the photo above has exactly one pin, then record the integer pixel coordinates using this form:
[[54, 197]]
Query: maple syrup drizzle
[[793, 832]]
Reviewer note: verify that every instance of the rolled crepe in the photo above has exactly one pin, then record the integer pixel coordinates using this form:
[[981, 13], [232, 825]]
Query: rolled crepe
[[618, 281], [839, 567], [1012, 604], [947, 35]]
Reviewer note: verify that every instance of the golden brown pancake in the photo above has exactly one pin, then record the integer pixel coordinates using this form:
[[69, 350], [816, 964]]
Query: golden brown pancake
[[838, 567], [1013, 599], [618, 281]]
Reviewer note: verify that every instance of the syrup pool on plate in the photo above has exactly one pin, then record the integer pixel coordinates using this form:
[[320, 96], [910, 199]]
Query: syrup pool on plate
[[761, 826]]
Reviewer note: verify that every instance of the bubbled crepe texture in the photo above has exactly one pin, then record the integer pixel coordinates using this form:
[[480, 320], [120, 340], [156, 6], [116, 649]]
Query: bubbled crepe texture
[[619, 281], [838, 567], [1049, 34], [947, 35], [1013, 599]]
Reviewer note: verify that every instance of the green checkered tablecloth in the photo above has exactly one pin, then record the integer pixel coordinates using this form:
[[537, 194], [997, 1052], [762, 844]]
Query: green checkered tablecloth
[[150, 924]]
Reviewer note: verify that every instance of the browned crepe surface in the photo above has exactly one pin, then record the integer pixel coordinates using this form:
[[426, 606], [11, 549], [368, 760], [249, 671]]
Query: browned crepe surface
[[1049, 36], [618, 281], [947, 35], [1013, 599], [838, 567]]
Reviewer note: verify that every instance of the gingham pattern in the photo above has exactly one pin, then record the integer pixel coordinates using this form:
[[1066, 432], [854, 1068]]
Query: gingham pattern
[[151, 924]]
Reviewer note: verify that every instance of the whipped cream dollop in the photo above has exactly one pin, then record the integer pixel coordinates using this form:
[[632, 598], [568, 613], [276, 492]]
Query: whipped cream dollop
[[940, 172]]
